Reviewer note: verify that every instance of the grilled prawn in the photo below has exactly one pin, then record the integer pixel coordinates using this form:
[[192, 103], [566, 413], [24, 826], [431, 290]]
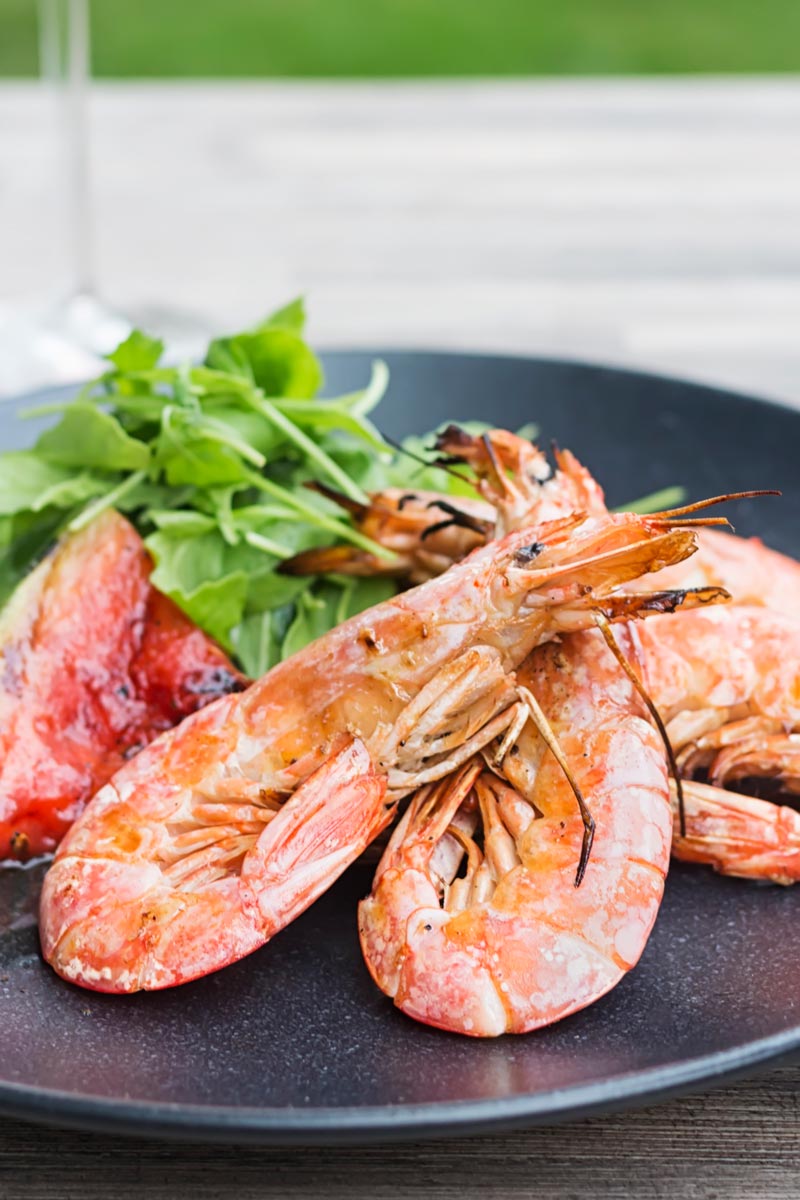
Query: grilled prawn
[[507, 944], [474, 923], [223, 830], [727, 684], [94, 663], [429, 532], [736, 833]]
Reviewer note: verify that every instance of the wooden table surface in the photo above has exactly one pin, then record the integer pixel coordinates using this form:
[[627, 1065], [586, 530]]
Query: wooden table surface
[[650, 223], [637, 222]]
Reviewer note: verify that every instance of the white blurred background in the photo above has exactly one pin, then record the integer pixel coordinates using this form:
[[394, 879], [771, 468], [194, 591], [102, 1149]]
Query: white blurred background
[[650, 221]]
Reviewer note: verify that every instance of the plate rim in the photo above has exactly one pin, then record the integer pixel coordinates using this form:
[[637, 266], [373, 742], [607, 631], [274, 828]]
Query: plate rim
[[437, 1119], [592, 364], [381, 1123], [554, 360]]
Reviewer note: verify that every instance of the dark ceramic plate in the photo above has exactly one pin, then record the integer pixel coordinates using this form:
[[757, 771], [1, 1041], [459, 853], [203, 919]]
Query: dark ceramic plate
[[295, 1044]]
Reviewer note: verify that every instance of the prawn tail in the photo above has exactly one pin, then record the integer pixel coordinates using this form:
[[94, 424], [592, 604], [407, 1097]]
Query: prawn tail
[[213, 893], [736, 834], [331, 818]]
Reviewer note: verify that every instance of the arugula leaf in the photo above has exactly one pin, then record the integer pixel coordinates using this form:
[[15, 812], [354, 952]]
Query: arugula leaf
[[182, 522], [210, 462], [138, 352], [267, 591], [273, 355], [24, 539], [202, 577], [289, 316], [111, 498], [345, 413], [257, 643], [185, 563], [248, 425], [259, 638], [216, 605], [88, 437], [315, 614], [329, 604], [30, 483], [189, 450], [361, 594]]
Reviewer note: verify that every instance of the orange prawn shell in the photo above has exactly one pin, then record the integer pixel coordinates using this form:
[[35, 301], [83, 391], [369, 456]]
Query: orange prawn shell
[[94, 663], [736, 657]]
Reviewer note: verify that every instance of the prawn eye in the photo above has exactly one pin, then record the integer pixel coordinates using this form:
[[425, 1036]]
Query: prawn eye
[[527, 554]]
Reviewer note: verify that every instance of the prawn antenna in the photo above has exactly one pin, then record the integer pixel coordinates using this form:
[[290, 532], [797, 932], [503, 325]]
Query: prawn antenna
[[354, 507], [628, 668], [496, 466], [455, 517], [551, 741], [441, 464], [671, 516]]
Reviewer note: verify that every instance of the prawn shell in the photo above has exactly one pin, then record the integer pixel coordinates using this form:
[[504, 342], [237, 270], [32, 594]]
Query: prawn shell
[[94, 664]]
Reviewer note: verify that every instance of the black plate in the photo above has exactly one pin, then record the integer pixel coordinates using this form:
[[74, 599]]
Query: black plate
[[295, 1044]]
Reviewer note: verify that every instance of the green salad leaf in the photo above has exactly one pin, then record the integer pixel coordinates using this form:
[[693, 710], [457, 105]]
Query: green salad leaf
[[88, 437], [211, 462], [274, 355], [138, 352], [29, 483]]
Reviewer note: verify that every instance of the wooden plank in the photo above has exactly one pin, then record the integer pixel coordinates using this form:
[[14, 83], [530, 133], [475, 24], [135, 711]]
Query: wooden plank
[[739, 1142], [641, 222]]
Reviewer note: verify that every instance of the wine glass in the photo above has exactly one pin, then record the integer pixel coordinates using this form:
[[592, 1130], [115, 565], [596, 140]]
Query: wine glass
[[62, 339]]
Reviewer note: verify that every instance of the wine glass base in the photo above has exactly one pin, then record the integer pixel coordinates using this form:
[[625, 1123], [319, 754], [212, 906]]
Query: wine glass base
[[65, 342], [47, 344]]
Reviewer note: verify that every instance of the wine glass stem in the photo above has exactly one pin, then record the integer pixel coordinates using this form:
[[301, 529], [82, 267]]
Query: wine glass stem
[[64, 49]]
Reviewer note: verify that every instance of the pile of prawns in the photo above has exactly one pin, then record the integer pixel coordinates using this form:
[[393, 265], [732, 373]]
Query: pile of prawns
[[546, 729]]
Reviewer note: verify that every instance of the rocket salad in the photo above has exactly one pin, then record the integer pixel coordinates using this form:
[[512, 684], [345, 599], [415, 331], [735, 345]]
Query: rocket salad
[[209, 461]]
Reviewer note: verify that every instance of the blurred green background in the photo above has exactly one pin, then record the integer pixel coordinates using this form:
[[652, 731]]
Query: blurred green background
[[422, 37]]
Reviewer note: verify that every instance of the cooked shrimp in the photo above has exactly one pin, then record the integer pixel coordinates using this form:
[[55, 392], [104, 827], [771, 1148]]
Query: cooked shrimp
[[474, 923], [427, 532], [475, 952], [431, 532], [738, 835], [94, 663], [727, 683], [223, 830]]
